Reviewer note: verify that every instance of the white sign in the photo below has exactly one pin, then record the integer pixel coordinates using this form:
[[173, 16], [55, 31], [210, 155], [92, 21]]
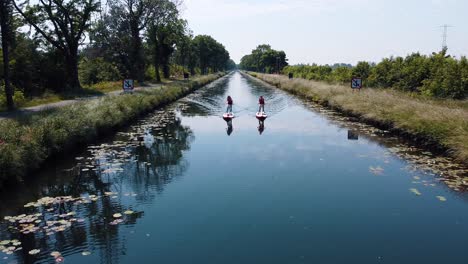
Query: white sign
[[356, 83], [128, 85]]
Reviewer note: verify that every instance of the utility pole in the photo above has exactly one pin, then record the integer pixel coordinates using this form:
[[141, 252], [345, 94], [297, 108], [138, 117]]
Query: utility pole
[[444, 36]]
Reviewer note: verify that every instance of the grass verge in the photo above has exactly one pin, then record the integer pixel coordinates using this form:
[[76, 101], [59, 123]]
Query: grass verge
[[436, 123], [26, 144]]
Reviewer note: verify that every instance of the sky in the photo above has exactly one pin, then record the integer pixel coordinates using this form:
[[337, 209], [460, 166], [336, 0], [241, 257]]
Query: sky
[[332, 31]]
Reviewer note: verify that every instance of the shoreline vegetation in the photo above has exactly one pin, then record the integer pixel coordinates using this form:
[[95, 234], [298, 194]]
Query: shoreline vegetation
[[26, 144], [436, 123]]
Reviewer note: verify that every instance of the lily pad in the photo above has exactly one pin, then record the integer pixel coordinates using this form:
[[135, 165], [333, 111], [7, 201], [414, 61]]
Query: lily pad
[[415, 191], [376, 170], [129, 212], [34, 251], [117, 215]]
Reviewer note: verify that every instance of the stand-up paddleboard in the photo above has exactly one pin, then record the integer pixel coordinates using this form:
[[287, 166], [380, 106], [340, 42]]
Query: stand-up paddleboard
[[261, 116], [228, 116]]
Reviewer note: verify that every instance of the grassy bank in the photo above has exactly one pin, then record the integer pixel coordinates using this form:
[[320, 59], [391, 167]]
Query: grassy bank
[[442, 123], [26, 144], [49, 97]]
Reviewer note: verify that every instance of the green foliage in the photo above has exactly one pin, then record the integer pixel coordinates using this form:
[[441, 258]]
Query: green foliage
[[121, 45], [437, 75], [62, 24], [105, 87], [18, 98], [264, 59], [320, 72], [362, 70], [231, 65], [150, 73], [177, 71], [97, 70], [212, 56], [164, 33]]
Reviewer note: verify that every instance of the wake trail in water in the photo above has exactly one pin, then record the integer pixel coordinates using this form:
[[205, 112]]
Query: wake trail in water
[[212, 99]]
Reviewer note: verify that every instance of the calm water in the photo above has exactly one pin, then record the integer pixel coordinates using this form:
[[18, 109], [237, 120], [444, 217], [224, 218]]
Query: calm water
[[306, 187]]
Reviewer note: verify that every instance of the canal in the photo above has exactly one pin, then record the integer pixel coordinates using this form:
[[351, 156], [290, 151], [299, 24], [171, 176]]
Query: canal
[[182, 186]]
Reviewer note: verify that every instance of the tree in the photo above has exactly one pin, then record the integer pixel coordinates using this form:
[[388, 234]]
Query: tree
[[264, 59], [185, 53], [362, 70], [211, 54], [165, 31], [231, 65], [63, 24], [7, 35], [133, 16]]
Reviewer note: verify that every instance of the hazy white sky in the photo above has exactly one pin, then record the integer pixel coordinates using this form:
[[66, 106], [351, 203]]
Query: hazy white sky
[[331, 31]]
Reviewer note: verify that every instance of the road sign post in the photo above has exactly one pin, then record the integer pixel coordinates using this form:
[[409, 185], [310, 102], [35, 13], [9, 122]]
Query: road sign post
[[128, 86], [356, 83]]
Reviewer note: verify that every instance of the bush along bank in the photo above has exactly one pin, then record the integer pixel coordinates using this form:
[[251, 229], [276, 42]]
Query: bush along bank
[[26, 144], [435, 123]]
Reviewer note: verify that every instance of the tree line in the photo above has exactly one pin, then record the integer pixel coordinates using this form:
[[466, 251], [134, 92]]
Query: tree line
[[61, 45], [264, 59], [437, 75]]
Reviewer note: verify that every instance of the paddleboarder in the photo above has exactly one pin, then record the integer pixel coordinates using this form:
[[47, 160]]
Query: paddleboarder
[[261, 103], [229, 103]]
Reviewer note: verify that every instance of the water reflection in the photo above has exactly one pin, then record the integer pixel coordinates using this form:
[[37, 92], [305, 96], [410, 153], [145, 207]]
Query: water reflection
[[261, 126], [102, 195], [229, 128], [125, 201]]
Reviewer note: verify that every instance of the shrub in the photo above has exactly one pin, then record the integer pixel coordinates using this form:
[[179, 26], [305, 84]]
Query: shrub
[[96, 70], [438, 75]]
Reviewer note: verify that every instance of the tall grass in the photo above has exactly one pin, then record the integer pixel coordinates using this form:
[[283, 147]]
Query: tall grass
[[440, 122], [26, 144]]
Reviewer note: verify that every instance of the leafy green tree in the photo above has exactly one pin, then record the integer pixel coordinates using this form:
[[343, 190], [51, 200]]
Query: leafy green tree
[[26, 66], [127, 19], [264, 59], [437, 75], [95, 70], [211, 54], [231, 65], [362, 70], [185, 53], [63, 24], [165, 31]]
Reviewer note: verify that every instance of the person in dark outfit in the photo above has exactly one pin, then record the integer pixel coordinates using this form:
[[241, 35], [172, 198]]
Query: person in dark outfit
[[229, 103], [261, 102]]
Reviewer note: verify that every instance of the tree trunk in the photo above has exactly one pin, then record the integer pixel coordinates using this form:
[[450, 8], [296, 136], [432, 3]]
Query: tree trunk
[[156, 68], [156, 61], [137, 65], [5, 26], [166, 70], [71, 59]]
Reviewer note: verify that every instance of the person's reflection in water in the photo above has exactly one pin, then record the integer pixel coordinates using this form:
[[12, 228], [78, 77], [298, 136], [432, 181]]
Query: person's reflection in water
[[229, 128], [261, 126]]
